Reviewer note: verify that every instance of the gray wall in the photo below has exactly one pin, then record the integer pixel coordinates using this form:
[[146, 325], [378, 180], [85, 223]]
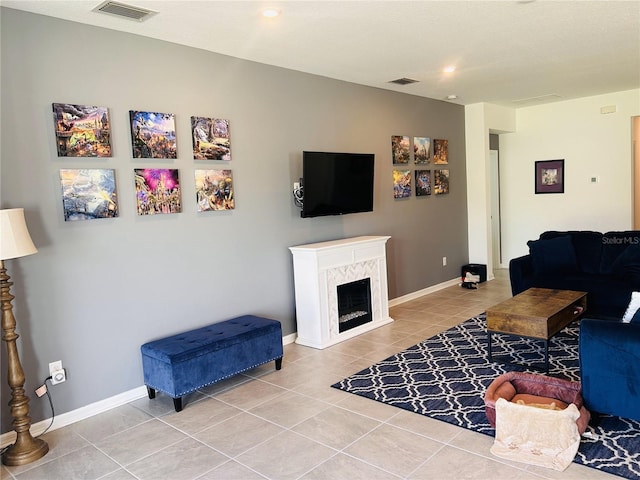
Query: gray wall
[[97, 290]]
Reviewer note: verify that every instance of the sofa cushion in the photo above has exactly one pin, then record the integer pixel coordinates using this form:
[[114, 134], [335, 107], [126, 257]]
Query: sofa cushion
[[615, 244], [587, 246], [555, 255], [636, 317], [627, 264]]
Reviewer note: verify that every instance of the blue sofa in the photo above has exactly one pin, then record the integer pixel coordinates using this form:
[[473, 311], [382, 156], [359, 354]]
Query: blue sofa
[[606, 265], [610, 367]]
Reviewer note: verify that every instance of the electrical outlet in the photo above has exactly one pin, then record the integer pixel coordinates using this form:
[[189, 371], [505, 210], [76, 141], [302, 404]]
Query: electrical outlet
[[58, 375], [296, 185], [444, 261]]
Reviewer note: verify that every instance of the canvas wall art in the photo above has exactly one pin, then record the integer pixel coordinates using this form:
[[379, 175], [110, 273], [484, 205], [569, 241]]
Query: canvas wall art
[[214, 190], [82, 130], [88, 194], [157, 191], [423, 183], [401, 183], [400, 149], [549, 176], [421, 150], [153, 135], [440, 182], [211, 138], [440, 151]]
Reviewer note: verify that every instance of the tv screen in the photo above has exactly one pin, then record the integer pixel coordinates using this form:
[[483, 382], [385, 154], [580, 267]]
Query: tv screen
[[337, 183]]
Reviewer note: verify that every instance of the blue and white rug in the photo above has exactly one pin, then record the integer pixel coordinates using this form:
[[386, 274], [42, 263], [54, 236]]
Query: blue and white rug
[[445, 377]]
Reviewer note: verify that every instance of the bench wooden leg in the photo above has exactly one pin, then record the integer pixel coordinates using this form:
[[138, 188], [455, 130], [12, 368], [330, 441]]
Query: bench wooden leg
[[151, 392], [278, 363], [177, 404]]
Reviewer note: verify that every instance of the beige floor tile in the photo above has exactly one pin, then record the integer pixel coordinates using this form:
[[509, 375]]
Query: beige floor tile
[[110, 422], [336, 427], [121, 474], [454, 464], [393, 449], [184, 460], [250, 394], [286, 457], [289, 409], [231, 471], [347, 468], [137, 442], [423, 425], [200, 415], [86, 463], [368, 408], [238, 434]]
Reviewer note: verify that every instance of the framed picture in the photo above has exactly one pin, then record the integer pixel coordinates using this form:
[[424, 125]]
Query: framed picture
[[440, 182], [153, 135], [214, 190], [400, 149], [401, 183], [210, 138], [88, 194], [549, 176], [421, 150], [423, 183], [82, 130], [440, 151], [157, 191]]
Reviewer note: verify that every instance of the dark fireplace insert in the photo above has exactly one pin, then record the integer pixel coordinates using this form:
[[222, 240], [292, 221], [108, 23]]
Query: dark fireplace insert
[[354, 304]]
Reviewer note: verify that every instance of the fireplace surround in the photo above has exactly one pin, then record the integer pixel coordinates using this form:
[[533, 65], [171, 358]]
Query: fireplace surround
[[340, 289]]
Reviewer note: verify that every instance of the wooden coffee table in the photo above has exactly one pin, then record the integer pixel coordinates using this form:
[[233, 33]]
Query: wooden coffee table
[[537, 313]]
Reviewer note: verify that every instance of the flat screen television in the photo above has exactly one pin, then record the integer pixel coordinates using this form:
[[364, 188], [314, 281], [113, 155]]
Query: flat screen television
[[337, 183]]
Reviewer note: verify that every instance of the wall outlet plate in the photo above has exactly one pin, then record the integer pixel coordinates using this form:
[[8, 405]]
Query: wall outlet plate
[[58, 375]]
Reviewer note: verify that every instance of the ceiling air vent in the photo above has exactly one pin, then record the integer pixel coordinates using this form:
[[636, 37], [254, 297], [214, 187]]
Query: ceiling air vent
[[124, 11], [552, 97], [403, 81]]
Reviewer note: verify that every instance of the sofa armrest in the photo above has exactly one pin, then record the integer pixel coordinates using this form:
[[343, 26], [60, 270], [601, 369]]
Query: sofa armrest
[[520, 274], [610, 367]]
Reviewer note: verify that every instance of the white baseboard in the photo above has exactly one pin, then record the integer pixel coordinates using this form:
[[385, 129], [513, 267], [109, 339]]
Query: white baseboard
[[425, 291], [101, 406]]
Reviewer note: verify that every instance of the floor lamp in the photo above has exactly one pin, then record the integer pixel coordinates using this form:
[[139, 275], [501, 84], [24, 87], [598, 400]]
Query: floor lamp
[[15, 242]]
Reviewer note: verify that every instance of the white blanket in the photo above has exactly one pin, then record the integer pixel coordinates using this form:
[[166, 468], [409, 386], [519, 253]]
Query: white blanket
[[538, 436]]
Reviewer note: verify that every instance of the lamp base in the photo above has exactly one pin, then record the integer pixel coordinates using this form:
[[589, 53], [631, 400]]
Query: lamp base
[[25, 452]]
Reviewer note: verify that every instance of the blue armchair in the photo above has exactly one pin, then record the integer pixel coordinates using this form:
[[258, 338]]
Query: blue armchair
[[610, 367]]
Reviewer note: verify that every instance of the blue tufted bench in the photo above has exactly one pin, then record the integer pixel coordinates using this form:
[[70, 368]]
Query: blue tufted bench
[[185, 362]]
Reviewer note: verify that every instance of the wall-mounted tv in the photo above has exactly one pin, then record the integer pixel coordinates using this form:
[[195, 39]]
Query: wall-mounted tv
[[337, 183]]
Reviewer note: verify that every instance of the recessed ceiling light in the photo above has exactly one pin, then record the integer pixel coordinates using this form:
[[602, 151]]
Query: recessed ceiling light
[[449, 69], [271, 12], [452, 97]]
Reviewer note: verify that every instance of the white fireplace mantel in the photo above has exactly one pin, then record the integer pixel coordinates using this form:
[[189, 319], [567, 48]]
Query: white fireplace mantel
[[319, 268]]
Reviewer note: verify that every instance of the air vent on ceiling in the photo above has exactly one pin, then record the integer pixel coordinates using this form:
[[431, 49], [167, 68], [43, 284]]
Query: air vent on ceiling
[[552, 97], [124, 11], [403, 81]]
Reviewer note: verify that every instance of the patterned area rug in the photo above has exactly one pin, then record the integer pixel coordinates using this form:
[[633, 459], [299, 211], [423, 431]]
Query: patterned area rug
[[445, 377]]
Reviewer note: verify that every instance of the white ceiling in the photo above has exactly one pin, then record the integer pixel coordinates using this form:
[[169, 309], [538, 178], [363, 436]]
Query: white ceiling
[[513, 53]]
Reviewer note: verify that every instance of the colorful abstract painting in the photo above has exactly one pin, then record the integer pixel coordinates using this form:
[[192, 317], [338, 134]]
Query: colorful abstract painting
[[88, 194], [211, 139], [157, 191], [82, 130], [440, 182], [423, 183], [421, 150], [214, 190], [440, 151], [401, 183], [153, 135], [400, 149]]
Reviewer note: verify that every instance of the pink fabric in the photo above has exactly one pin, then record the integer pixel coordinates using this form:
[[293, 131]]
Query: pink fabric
[[509, 384]]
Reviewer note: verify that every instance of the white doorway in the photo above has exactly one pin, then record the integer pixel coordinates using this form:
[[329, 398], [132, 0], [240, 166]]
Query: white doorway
[[494, 171]]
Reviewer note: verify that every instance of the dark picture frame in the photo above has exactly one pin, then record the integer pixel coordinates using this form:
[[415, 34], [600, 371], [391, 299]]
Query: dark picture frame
[[549, 176]]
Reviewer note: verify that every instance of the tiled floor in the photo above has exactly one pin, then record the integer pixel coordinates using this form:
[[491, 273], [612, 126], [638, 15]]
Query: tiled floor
[[291, 424]]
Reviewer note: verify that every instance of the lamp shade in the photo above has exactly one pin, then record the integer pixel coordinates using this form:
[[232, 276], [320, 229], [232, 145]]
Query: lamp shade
[[14, 237]]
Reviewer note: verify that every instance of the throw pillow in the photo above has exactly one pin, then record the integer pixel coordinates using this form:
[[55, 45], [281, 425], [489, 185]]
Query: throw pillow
[[632, 308], [555, 255]]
